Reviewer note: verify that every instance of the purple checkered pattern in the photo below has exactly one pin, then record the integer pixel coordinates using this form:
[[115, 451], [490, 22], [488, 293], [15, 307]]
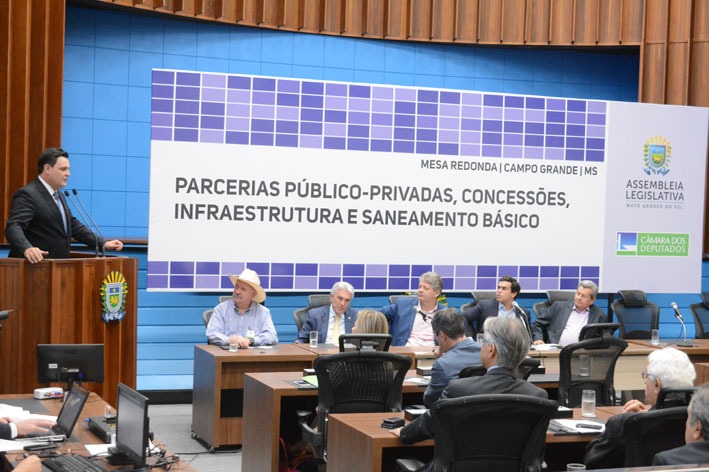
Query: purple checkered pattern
[[261, 111], [283, 112]]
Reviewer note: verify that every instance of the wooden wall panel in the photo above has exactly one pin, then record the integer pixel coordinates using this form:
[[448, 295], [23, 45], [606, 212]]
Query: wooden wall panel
[[513, 21], [537, 22], [466, 24], [31, 53], [443, 20], [490, 21], [631, 20], [586, 16], [561, 23], [420, 27]]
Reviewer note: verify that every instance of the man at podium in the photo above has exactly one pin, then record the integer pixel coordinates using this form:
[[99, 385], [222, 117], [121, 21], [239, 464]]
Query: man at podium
[[40, 224]]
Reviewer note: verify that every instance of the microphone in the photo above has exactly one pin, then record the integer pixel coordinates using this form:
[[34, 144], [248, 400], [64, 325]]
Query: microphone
[[87, 218], [520, 313], [679, 316]]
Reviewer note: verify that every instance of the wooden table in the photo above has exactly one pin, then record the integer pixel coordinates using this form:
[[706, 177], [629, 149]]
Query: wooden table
[[217, 398], [627, 369], [699, 352], [95, 406], [357, 442], [421, 356], [270, 405]]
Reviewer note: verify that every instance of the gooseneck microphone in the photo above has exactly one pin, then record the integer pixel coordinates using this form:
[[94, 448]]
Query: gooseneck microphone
[[678, 315], [521, 315], [86, 216]]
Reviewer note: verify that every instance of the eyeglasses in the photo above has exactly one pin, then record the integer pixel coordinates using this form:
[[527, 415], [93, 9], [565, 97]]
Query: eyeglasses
[[645, 375]]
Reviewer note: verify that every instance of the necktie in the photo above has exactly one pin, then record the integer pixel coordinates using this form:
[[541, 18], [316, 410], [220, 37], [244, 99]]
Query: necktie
[[336, 330], [58, 201]]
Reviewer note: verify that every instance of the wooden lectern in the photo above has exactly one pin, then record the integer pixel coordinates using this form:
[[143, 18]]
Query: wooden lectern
[[57, 301]]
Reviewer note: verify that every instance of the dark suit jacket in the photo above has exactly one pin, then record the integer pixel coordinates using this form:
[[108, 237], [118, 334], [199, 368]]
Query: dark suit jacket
[[608, 449], [319, 319], [35, 220], [497, 380], [448, 366], [401, 316], [693, 453], [5, 431], [483, 310], [554, 320]]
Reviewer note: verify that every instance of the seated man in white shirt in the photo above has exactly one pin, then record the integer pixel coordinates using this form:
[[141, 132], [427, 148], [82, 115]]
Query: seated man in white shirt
[[243, 320], [322, 319], [563, 321]]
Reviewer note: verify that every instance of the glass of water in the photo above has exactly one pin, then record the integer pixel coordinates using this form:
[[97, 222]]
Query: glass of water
[[313, 339], [588, 404]]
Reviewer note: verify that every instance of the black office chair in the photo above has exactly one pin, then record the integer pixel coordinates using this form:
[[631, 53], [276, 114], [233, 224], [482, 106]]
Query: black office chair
[[674, 396], [553, 296], [596, 330], [651, 432], [364, 342], [488, 432], [700, 313], [475, 370], [314, 301], [525, 369], [355, 382], [589, 365], [478, 295], [637, 316]]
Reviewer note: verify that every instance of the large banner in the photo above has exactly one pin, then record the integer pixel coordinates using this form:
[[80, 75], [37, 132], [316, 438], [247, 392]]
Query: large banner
[[310, 182]]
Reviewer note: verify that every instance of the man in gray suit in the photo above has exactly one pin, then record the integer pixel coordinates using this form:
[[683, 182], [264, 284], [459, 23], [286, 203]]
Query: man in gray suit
[[506, 344], [563, 321], [696, 434], [322, 319], [457, 351]]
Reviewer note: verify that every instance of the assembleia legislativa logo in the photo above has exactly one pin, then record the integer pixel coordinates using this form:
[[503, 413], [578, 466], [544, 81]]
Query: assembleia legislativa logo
[[657, 152]]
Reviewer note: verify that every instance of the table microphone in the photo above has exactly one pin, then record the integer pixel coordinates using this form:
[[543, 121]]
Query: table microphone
[[679, 316], [520, 313], [90, 221]]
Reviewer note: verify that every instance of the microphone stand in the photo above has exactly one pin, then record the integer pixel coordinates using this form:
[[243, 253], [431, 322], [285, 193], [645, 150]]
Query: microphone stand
[[683, 343], [83, 216]]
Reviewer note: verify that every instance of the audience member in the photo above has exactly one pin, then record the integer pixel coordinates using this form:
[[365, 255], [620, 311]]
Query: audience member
[[503, 305], [696, 434], [457, 351], [242, 320], [323, 319], [410, 318], [370, 322], [666, 368], [506, 345], [563, 321]]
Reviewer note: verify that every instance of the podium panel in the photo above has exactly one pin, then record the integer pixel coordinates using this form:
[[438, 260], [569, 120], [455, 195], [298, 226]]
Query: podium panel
[[58, 301]]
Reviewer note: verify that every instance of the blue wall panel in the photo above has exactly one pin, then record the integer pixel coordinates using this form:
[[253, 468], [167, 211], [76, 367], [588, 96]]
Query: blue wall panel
[[106, 116]]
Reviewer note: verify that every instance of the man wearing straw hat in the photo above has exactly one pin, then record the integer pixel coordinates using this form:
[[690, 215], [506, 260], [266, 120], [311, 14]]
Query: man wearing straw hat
[[243, 320]]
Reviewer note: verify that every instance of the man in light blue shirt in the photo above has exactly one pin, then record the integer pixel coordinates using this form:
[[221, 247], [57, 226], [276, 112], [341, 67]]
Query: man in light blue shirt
[[243, 320]]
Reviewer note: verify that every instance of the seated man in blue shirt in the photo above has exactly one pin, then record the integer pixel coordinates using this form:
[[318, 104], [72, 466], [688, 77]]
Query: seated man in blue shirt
[[243, 320], [322, 319], [696, 434], [504, 304], [457, 352]]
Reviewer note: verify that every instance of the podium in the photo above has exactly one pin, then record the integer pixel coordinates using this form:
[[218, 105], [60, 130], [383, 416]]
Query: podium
[[58, 301]]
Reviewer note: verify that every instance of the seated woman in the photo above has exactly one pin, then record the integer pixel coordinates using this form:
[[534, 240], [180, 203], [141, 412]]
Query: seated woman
[[370, 322]]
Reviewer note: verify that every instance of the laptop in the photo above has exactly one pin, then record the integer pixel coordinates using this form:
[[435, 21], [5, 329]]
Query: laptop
[[68, 415]]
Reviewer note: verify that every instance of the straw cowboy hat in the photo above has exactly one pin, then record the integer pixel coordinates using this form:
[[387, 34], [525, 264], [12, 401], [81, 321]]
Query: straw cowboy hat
[[250, 277]]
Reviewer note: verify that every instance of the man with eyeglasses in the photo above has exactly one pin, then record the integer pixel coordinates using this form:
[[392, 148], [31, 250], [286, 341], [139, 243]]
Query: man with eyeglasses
[[666, 368], [505, 346], [696, 434], [562, 322]]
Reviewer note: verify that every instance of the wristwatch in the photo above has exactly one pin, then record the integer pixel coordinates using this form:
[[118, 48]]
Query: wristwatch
[[251, 341]]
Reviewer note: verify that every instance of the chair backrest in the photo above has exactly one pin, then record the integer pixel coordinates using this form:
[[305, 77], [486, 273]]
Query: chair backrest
[[525, 369], [700, 313], [394, 298], [206, 315], [520, 419], [552, 297], [674, 396], [365, 342], [475, 370], [651, 432], [596, 330], [314, 300], [223, 298], [589, 365], [637, 316], [479, 295]]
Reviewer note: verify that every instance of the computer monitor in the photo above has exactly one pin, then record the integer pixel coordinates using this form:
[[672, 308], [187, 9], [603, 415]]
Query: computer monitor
[[365, 342], [131, 427], [69, 363]]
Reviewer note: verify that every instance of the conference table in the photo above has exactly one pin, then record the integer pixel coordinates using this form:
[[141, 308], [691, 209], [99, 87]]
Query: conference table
[[81, 436], [698, 352], [357, 442]]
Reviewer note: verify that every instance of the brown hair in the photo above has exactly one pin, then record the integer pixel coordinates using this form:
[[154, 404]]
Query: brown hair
[[371, 322]]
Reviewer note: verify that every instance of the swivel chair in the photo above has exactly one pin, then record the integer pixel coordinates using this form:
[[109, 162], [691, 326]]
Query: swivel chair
[[589, 365], [468, 432], [637, 316], [651, 432], [355, 382], [670, 397], [553, 296], [700, 313], [314, 301]]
